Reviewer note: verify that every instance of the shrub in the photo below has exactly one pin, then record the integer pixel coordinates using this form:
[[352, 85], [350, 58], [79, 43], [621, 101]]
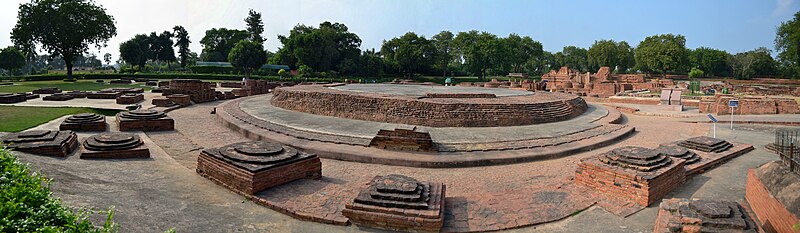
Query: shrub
[[26, 203], [212, 69]]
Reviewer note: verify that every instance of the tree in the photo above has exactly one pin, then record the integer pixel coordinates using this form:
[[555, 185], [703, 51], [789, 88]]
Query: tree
[[479, 51], [410, 52], [617, 55], [665, 53], [695, 73], [217, 43], [371, 64], [713, 61], [541, 64], [161, 47], [63, 28], [247, 55], [255, 27], [573, 57], [322, 49], [445, 53], [136, 51], [757, 62], [787, 43], [520, 50], [11, 59], [182, 42], [107, 59]]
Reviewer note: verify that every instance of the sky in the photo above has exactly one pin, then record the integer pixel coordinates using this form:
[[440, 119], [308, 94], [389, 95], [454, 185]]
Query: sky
[[731, 25]]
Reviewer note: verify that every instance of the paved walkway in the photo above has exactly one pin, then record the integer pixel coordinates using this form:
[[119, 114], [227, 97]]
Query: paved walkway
[[88, 103], [156, 194]]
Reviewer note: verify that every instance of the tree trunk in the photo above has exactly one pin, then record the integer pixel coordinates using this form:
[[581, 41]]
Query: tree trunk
[[69, 68]]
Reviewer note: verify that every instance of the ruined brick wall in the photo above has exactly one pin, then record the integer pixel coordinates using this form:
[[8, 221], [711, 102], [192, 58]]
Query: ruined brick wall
[[604, 89], [460, 95], [643, 188], [748, 106], [197, 90], [773, 215], [537, 108], [404, 140]]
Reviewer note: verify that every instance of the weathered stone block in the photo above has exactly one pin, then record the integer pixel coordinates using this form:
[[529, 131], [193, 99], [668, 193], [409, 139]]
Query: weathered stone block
[[114, 146], [43, 142], [84, 122], [145, 120]]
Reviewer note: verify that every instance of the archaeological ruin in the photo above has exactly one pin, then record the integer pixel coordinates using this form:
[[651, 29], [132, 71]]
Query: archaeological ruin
[[771, 188], [684, 215], [114, 146], [42, 142], [10, 98], [144, 120], [251, 167], [398, 203], [84, 122]]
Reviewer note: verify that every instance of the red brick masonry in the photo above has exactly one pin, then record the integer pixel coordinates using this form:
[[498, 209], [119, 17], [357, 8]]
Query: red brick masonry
[[772, 207], [694, 216], [42, 142], [540, 107], [402, 213]]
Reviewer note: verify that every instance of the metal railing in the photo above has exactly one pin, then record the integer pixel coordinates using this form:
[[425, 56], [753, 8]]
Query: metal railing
[[787, 146]]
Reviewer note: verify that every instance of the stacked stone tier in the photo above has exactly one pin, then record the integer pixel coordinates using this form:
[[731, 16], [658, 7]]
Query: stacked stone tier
[[43, 142], [58, 97], [84, 122], [530, 109], [706, 144], [679, 152], [251, 167], [114, 146], [9, 98], [145, 120]]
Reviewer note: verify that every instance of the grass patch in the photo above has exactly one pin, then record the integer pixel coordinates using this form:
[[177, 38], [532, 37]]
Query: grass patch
[[80, 85], [27, 205], [18, 118]]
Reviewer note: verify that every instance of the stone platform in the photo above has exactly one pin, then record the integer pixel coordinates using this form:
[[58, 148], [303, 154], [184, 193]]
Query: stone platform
[[349, 139], [683, 215], [772, 192], [433, 106], [144, 120], [84, 122], [42, 142], [710, 151], [114, 146]]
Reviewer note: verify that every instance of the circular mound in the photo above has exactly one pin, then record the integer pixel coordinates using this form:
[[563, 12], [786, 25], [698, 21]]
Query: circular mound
[[432, 106], [83, 118], [143, 114], [258, 152], [112, 141]]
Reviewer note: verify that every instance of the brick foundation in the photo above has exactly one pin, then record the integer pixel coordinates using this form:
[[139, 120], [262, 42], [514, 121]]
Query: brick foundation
[[130, 99], [42, 142], [403, 139], [774, 216], [84, 122], [8, 98]]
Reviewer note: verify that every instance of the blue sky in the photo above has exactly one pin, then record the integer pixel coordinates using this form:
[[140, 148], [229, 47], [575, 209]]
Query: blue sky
[[732, 25]]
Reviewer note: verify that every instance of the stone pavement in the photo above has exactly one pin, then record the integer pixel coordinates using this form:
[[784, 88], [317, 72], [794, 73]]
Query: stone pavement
[[154, 195], [88, 103]]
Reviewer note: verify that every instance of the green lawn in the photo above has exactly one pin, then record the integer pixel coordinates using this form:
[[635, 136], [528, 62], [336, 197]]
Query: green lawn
[[80, 85], [17, 118]]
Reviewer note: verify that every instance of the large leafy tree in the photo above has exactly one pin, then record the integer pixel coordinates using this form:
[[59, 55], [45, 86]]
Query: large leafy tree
[[255, 26], [63, 28], [757, 62], [712, 62], [787, 43], [410, 52], [573, 57], [371, 64], [479, 50], [445, 51], [247, 55], [617, 55], [322, 49], [136, 51], [161, 47], [182, 42], [217, 43], [11, 59], [107, 58], [541, 64], [520, 50], [665, 53]]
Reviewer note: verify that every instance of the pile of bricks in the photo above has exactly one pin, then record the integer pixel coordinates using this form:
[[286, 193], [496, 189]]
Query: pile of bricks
[[47, 90], [77, 94], [631, 173], [251, 167], [541, 107], [114, 146], [411, 139], [84, 122], [42, 142], [163, 102], [180, 99], [706, 144], [58, 97], [198, 91], [684, 215], [103, 94], [145, 120], [399, 203]]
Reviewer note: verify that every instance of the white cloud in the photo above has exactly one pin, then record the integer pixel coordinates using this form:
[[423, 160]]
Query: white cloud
[[783, 7]]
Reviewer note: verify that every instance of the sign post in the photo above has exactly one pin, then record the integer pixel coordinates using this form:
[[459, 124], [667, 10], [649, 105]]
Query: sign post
[[713, 119], [733, 104]]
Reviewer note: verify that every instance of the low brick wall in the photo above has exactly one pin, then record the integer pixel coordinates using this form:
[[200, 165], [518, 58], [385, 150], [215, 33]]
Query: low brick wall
[[643, 188], [718, 104], [773, 215], [540, 107]]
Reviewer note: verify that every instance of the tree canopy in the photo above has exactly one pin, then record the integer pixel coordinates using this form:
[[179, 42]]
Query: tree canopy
[[409, 52], [217, 43], [520, 50], [136, 51], [63, 28], [322, 49], [787, 44], [573, 57], [713, 62], [182, 42], [665, 53], [479, 51], [617, 55], [11, 59], [757, 62], [445, 51], [247, 55], [255, 27]]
